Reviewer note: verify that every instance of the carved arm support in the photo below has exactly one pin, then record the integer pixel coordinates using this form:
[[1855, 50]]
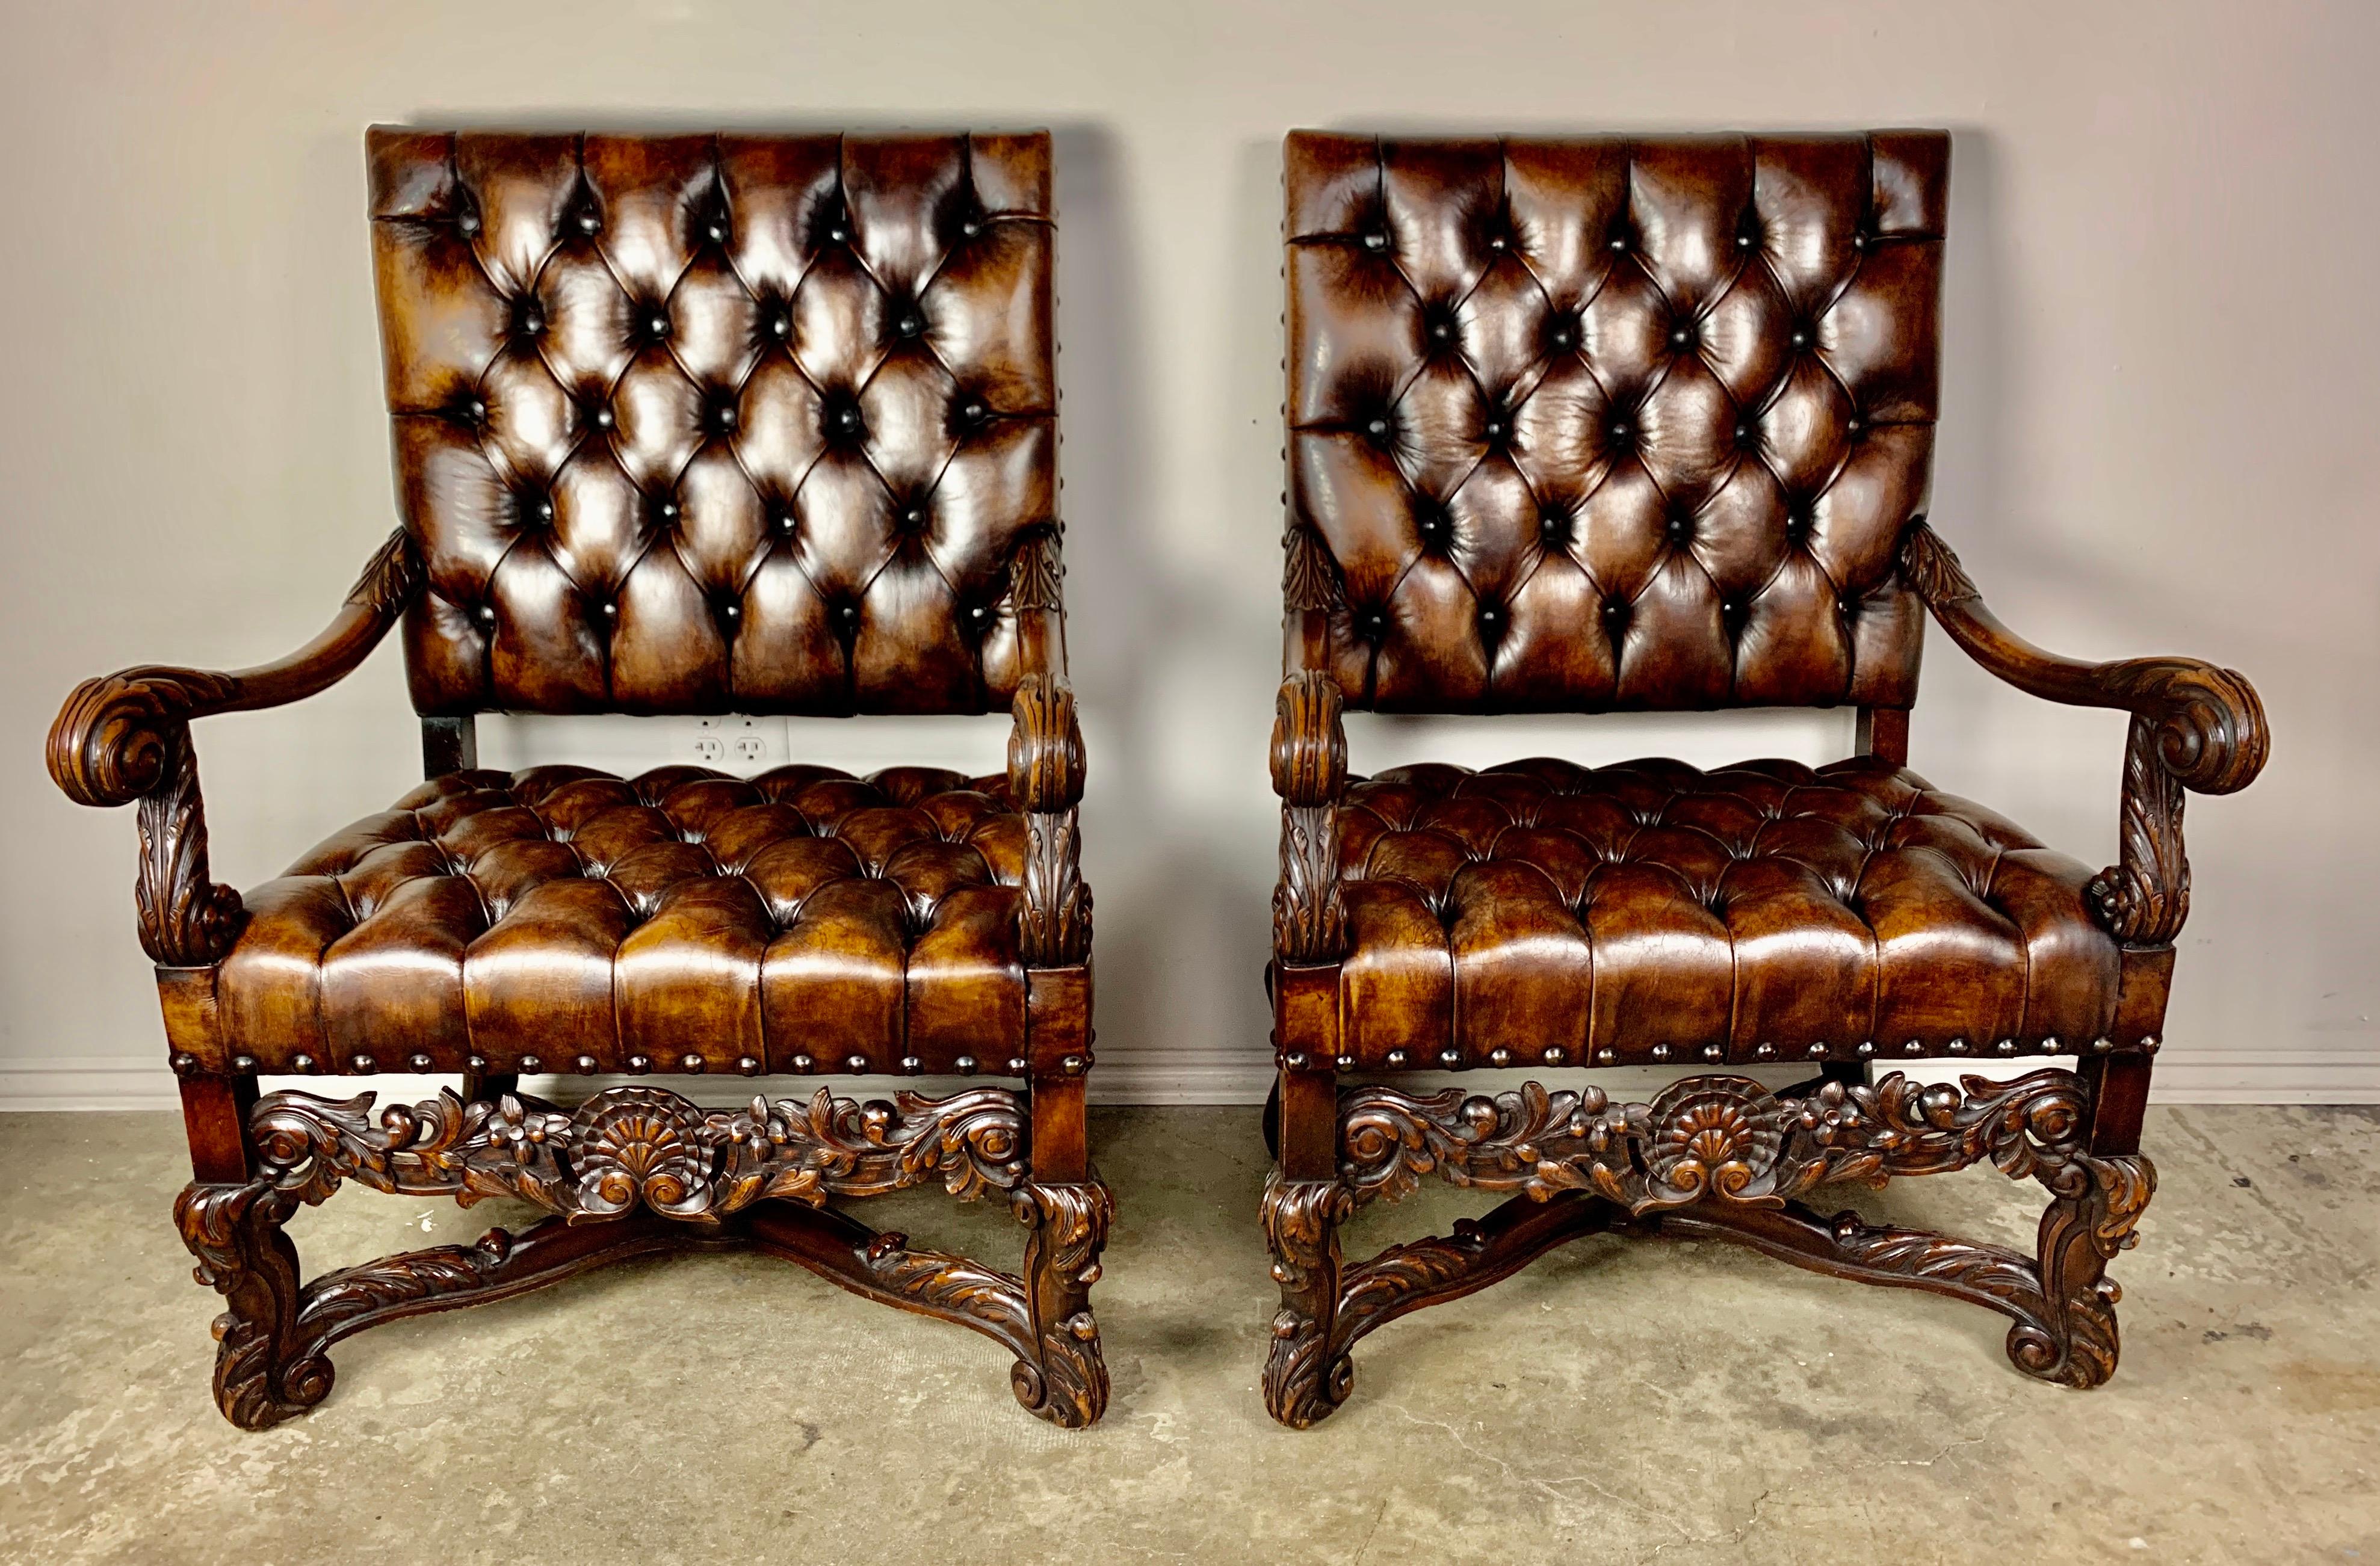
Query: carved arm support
[[1309, 772], [1045, 778], [2194, 726], [126, 737]]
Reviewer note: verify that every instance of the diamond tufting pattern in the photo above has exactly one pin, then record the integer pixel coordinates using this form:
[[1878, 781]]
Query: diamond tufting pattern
[[565, 918], [1609, 423], [717, 422], [1654, 912]]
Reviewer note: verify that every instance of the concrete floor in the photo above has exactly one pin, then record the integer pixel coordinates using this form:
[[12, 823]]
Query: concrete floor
[[1614, 1403]]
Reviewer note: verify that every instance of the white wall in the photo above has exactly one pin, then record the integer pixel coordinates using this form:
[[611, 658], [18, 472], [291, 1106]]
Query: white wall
[[2161, 338]]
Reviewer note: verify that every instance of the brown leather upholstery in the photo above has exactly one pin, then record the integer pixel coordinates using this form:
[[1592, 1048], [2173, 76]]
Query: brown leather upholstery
[[718, 422], [564, 918], [1544, 913], [1606, 423]]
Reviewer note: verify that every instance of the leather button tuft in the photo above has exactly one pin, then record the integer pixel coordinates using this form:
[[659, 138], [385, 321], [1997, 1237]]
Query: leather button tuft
[[914, 517], [848, 616], [657, 324], [467, 221], [485, 615], [1372, 625], [1375, 240], [781, 325], [1801, 338], [1378, 429], [601, 417], [787, 521], [610, 610], [839, 235], [910, 324], [1682, 337], [588, 221], [667, 510]]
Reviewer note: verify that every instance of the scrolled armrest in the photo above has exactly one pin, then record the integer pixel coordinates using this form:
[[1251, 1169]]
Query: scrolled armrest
[[126, 737], [1045, 778], [1309, 772], [2195, 727]]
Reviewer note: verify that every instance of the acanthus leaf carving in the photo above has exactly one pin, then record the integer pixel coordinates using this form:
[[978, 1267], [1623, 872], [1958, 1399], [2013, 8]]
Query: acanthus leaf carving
[[1309, 576], [1309, 772], [1045, 777], [1932, 567], [186, 918], [1036, 571], [390, 578]]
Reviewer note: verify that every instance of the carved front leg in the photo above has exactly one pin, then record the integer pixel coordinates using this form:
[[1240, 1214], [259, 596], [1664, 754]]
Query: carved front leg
[[1307, 1374], [1065, 1381], [2097, 1206], [263, 1374]]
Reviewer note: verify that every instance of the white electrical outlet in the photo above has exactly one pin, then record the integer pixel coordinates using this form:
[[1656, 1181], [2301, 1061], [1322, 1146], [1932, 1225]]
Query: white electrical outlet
[[749, 743]]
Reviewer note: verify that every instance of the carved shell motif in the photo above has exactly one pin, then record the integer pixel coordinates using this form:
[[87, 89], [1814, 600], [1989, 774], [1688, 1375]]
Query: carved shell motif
[[1715, 1136], [633, 1145]]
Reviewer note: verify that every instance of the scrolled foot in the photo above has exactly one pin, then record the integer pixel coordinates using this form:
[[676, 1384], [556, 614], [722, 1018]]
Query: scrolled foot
[[1065, 1378], [2098, 1206], [1308, 1373], [262, 1376]]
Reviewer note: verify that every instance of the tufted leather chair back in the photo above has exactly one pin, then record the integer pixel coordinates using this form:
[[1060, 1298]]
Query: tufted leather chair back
[[1590, 424], [701, 423]]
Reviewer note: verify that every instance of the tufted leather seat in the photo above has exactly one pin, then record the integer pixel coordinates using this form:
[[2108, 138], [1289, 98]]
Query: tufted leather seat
[[561, 917], [1545, 912]]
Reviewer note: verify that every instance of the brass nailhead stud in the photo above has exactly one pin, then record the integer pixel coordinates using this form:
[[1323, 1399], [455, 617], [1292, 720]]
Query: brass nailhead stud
[[1607, 1056], [690, 1063], [364, 1064], [1556, 1056], [184, 1063], [418, 1062], [639, 1065], [748, 1065], [303, 1063], [855, 1064], [1661, 1051], [243, 1063], [1818, 1051], [1016, 1066], [1499, 1057], [803, 1062], [586, 1064], [1396, 1060], [965, 1065], [531, 1063]]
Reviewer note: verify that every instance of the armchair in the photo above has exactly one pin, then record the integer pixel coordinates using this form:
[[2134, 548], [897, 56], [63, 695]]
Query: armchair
[[1597, 425], [684, 424]]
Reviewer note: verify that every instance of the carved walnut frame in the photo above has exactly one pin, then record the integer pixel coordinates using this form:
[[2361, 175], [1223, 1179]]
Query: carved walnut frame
[[1720, 1156], [633, 1169]]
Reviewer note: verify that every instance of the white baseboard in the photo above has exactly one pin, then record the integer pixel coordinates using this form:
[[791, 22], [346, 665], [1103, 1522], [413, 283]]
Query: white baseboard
[[2184, 1076]]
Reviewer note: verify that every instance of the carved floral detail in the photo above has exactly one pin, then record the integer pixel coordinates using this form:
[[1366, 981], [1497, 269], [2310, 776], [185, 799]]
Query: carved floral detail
[[631, 1147], [1717, 1157]]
